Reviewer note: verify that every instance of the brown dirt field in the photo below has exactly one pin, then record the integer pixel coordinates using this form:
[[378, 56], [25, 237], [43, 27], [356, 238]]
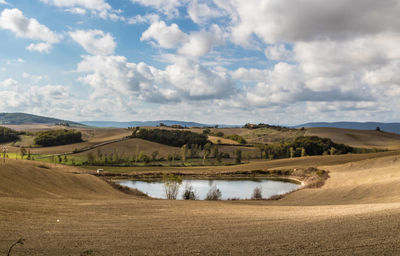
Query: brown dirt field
[[129, 147], [357, 212], [358, 138], [217, 140]]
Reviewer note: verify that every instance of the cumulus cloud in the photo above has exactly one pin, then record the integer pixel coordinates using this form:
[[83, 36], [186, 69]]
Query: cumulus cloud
[[97, 7], [305, 20], [3, 2], [201, 42], [167, 7], [39, 47], [14, 20], [201, 13], [95, 42], [278, 52], [182, 81], [165, 36]]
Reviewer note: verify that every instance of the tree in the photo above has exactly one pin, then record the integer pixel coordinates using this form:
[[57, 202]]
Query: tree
[[154, 155], [238, 154], [171, 185], [183, 152], [303, 152], [22, 152], [206, 151], [90, 158]]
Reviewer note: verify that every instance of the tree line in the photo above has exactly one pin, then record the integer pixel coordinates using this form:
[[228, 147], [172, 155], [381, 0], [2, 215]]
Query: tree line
[[175, 138], [8, 135], [58, 137], [307, 146]]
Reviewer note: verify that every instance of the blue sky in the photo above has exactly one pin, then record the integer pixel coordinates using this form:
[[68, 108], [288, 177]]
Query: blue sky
[[211, 61]]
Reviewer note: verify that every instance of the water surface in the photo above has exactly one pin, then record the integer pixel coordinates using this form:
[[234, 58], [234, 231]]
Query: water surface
[[231, 189]]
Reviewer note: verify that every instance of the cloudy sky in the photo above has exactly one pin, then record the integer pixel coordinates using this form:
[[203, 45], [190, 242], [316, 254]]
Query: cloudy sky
[[212, 61]]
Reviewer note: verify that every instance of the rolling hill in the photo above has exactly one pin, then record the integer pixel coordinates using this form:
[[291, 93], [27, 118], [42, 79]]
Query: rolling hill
[[387, 127], [149, 123], [23, 118]]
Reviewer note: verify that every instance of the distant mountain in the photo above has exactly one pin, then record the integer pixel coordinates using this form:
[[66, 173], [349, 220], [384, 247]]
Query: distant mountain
[[149, 123], [23, 118], [387, 127]]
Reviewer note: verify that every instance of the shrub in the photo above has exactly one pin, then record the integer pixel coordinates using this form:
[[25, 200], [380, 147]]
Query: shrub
[[189, 193], [257, 194], [214, 193]]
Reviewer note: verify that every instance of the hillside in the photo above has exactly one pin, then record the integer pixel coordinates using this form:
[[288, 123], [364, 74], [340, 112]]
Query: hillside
[[29, 179], [355, 213], [358, 138], [387, 127], [23, 118], [148, 123]]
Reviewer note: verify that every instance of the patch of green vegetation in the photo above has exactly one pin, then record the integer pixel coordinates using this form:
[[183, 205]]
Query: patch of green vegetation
[[8, 135], [173, 138], [58, 137], [237, 138]]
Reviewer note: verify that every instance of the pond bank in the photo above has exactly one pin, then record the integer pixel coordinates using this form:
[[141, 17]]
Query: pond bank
[[308, 177]]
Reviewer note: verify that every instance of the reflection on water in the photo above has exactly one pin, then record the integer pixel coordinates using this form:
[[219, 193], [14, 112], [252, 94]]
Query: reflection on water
[[237, 189]]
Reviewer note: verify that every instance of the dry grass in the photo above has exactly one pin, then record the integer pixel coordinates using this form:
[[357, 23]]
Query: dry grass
[[358, 138]]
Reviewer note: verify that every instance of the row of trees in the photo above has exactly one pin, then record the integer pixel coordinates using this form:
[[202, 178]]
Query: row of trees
[[307, 146], [8, 135], [175, 138], [58, 137]]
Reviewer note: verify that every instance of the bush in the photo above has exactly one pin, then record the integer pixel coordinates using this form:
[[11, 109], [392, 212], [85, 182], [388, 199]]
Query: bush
[[189, 193], [214, 194], [58, 137], [257, 194]]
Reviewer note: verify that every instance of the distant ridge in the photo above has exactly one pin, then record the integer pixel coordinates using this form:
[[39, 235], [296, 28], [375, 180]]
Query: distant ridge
[[387, 127], [150, 123], [23, 118]]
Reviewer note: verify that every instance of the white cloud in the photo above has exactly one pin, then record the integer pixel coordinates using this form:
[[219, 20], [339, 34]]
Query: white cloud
[[167, 7], [278, 52], [201, 13], [96, 7], [9, 84], [305, 20], [33, 78], [95, 42], [77, 10], [182, 81], [15, 21], [3, 2], [148, 18], [200, 43], [165, 36], [39, 47]]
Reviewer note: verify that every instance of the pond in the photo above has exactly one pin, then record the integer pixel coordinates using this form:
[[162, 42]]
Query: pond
[[230, 189]]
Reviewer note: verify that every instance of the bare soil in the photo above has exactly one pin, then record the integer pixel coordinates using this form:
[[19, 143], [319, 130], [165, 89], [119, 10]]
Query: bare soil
[[357, 212]]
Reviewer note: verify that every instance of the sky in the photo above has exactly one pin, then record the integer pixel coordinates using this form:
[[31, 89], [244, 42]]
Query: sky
[[280, 62]]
